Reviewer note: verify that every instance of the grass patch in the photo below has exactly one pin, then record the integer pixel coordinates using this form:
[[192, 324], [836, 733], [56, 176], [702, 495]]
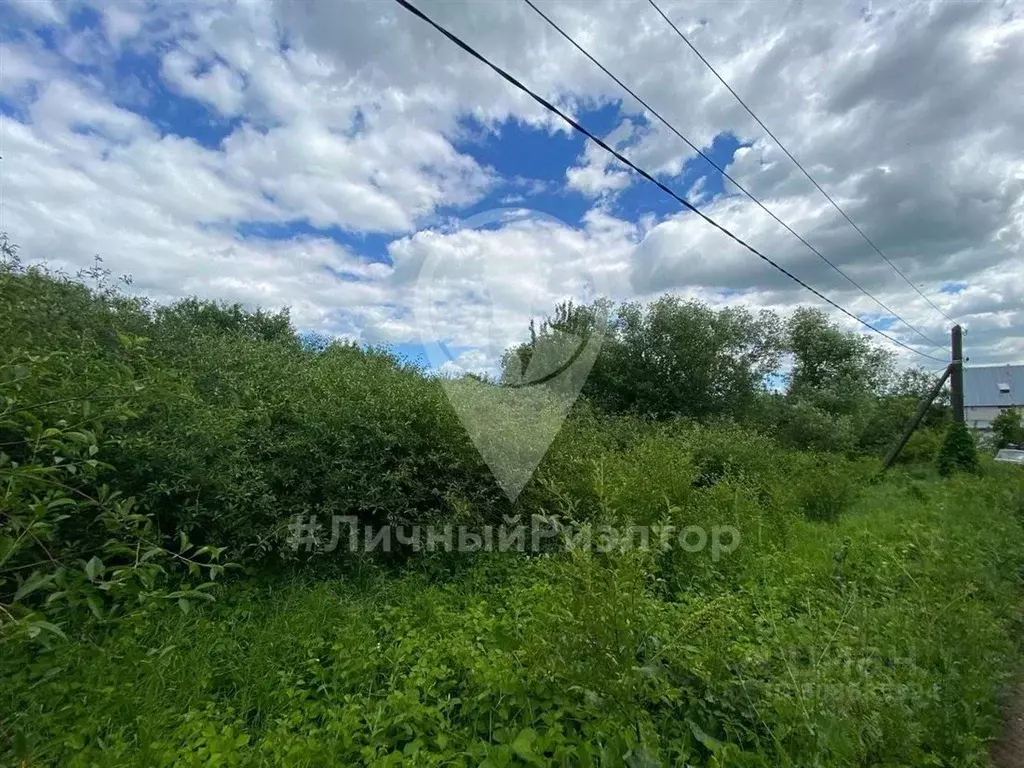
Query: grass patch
[[880, 638]]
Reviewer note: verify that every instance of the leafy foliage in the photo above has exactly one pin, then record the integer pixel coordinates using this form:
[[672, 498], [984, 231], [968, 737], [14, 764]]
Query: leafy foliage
[[958, 452], [878, 639], [223, 424], [70, 543], [832, 368], [853, 623], [672, 358], [1008, 429], [676, 359], [923, 447]]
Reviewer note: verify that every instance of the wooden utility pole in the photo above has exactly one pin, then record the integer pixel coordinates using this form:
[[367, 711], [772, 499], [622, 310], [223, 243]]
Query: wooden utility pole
[[957, 376], [922, 409]]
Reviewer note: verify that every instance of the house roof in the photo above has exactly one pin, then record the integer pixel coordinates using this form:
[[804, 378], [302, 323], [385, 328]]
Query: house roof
[[994, 386]]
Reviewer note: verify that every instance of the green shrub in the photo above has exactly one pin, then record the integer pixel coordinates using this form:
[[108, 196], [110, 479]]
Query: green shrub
[[69, 543], [1007, 429], [824, 487], [958, 452], [72, 543], [879, 640], [803, 425], [238, 426], [923, 447]]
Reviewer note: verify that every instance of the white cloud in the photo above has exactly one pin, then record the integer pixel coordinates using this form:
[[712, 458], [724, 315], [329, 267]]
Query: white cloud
[[478, 287], [209, 82], [121, 23], [21, 65], [599, 173], [47, 11], [350, 115], [63, 108]]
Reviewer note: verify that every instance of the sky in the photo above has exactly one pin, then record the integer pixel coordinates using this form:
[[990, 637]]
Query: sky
[[344, 160]]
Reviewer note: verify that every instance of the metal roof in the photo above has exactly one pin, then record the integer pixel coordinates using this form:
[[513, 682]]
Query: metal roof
[[994, 386], [1010, 457]]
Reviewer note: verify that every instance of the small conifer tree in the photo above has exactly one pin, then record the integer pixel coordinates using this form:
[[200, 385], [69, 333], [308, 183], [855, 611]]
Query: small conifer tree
[[958, 452]]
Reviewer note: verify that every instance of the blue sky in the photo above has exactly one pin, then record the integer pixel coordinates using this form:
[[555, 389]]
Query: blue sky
[[318, 156], [531, 161]]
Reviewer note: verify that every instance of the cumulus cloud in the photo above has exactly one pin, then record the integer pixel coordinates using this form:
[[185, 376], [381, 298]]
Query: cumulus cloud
[[213, 83], [598, 172], [477, 286], [349, 119]]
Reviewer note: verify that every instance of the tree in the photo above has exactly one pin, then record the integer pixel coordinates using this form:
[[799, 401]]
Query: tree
[[553, 348], [833, 369], [885, 416], [1007, 428], [844, 377], [958, 452], [686, 358], [671, 358]]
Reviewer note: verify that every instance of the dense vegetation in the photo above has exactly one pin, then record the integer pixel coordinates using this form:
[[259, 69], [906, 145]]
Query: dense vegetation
[[676, 359], [1007, 429], [152, 614]]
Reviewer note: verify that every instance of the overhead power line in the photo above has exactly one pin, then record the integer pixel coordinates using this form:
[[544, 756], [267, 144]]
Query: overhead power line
[[725, 173], [628, 163], [796, 162]]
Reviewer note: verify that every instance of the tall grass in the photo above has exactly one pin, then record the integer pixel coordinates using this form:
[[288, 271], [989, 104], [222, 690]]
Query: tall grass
[[857, 622], [881, 638]]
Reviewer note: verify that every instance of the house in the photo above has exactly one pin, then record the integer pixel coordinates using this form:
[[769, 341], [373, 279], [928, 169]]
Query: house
[[990, 390]]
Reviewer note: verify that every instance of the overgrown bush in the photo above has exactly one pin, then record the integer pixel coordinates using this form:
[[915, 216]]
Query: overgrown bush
[[825, 487], [923, 447], [69, 542], [1007, 429], [269, 430], [881, 639], [958, 452], [236, 426]]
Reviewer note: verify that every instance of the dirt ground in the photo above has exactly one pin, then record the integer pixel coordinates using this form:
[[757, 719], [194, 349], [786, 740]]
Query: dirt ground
[[1008, 752]]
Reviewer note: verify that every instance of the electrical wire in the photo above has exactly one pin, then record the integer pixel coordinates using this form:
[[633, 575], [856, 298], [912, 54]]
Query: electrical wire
[[796, 162], [625, 161], [725, 173]]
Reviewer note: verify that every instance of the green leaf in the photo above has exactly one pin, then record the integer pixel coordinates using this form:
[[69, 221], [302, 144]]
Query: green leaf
[[6, 547], [20, 744], [641, 758], [708, 742], [35, 626], [95, 606], [94, 568], [184, 604], [522, 744], [37, 580]]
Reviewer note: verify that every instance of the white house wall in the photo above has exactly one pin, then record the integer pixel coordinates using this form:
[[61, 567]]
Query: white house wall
[[980, 417]]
